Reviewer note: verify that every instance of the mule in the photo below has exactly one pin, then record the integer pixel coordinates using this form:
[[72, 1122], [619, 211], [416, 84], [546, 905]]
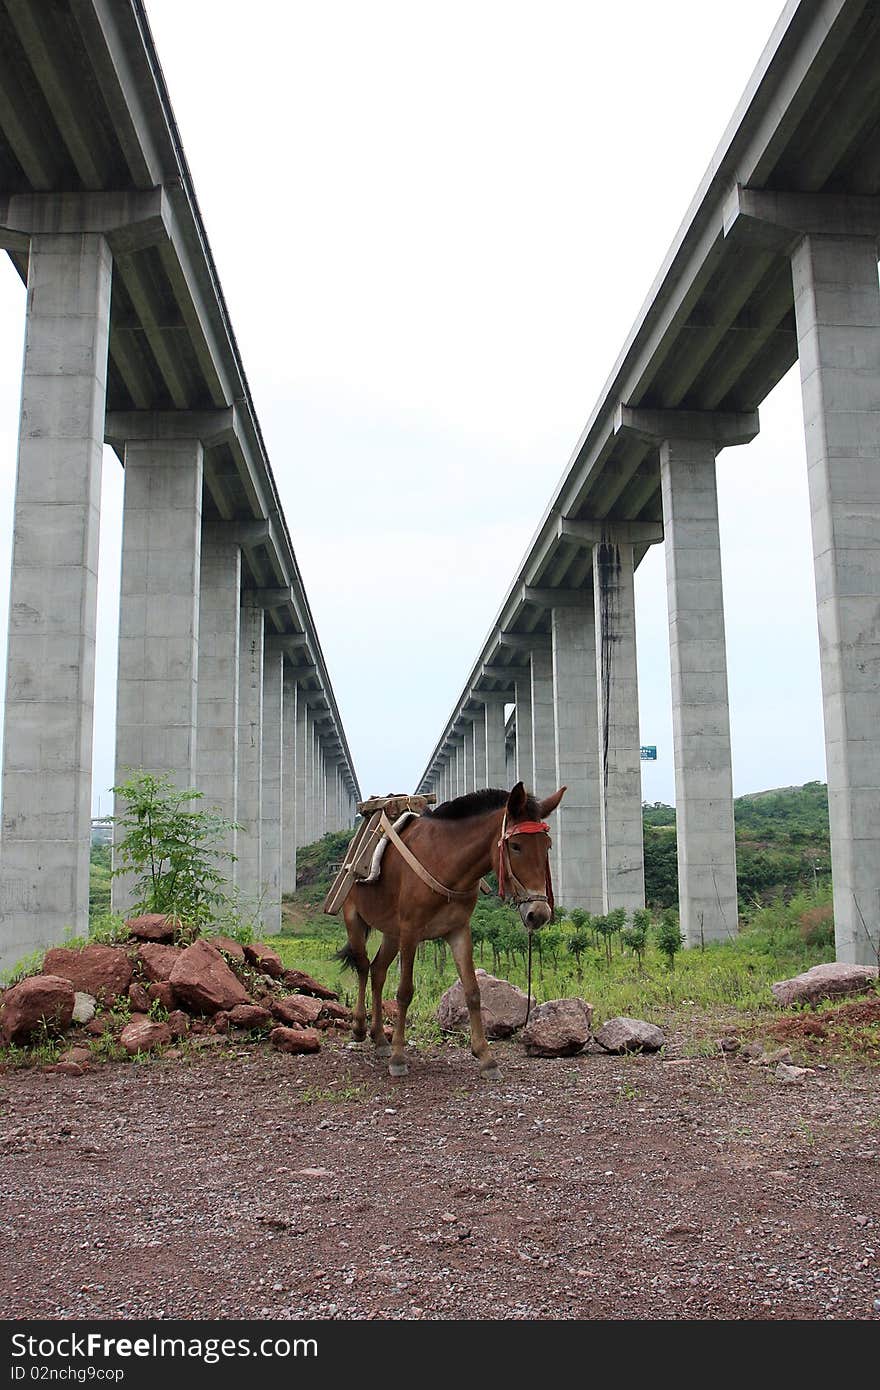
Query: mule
[[457, 843]]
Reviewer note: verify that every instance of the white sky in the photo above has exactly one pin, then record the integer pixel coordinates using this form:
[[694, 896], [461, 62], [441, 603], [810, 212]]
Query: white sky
[[434, 225]]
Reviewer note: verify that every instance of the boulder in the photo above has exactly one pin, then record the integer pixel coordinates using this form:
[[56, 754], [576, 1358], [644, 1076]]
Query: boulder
[[629, 1035], [337, 1013], [297, 1009], [84, 1006], [163, 990], [157, 962], [264, 958], [824, 982], [249, 1016], [153, 926], [102, 971], [178, 1023], [299, 980], [203, 981], [32, 1002], [144, 1034], [81, 1056], [295, 1039], [138, 998], [228, 946], [503, 1006], [558, 1028]]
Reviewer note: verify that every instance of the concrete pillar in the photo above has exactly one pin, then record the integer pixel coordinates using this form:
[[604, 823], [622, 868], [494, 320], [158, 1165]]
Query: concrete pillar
[[157, 684], [700, 711], [496, 765], [510, 761], [302, 768], [271, 802], [524, 769], [623, 856], [50, 675], [289, 781], [544, 780], [468, 750], [250, 752], [837, 310], [577, 837], [217, 706], [481, 776]]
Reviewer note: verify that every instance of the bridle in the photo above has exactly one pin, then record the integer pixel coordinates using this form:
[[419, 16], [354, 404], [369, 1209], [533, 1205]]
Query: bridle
[[516, 892]]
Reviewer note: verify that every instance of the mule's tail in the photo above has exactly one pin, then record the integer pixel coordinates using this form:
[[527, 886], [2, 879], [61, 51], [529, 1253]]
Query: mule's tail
[[346, 954]]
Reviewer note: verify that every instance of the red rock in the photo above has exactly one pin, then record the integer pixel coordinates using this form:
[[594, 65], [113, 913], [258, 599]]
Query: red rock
[[203, 981], [336, 1012], [178, 1023], [144, 1034], [828, 981], [389, 1009], [249, 1016], [102, 971], [163, 990], [39, 998], [97, 1027], [138, 998], [158, 961], [153, 926], [220, 1022], [227, 946], [295, 1039], [298, 979], [68, 1068], [264, 958], [81, 1055], [297, 1009]]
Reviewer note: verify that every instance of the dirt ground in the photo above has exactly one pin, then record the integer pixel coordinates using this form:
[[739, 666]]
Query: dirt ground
[[241, 1183]]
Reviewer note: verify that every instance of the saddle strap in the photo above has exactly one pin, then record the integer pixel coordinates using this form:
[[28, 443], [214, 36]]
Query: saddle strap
[[417, 868]]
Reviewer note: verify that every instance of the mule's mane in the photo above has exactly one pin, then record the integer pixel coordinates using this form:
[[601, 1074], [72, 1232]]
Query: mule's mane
[[480, 804]]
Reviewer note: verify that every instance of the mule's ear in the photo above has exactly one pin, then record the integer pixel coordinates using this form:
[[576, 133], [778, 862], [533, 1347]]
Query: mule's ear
[[551, 802], [516, 802]]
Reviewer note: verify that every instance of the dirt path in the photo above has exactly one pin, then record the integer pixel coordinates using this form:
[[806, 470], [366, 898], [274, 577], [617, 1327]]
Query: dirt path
[[592, 1187]]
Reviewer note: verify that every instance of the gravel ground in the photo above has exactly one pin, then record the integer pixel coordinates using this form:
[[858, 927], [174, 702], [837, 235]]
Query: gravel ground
[[240, 1183]]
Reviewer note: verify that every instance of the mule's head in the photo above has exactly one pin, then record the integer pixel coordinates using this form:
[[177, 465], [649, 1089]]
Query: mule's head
[[523, 855]]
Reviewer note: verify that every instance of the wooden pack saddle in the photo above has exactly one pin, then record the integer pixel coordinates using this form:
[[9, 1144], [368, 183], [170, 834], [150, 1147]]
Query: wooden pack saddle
[[358, 860]]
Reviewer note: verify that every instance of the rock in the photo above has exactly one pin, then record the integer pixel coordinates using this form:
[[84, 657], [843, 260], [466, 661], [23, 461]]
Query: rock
[[299, 1009], [824, 982], [153, 926], [144, 1034], [249, 1016], [264, 958], [503, 1006], [163, 990], [629, 1035], [97, 1027], [228, 946], [178, 1023], [68, 1068], [138, 998], [84, 1006], [792, 1075], [157, 962], [102, 971], [390, 1009], [337, 1013], [203, 981], [299, 980], [558, 1028], [753, 1050], [39, 999], [295, 1039], [779, 1054], [728, 1044], [80, 1055], [220, 1022]]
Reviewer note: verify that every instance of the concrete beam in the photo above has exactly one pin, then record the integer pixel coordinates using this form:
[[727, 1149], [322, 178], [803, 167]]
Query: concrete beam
[[549, 598], [721, 428], [129, 221], [590, 533], [210, 427], [524, 642], [775, 219]]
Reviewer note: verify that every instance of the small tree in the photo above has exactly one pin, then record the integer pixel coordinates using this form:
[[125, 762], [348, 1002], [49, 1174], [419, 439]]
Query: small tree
[[669, 937], [173, 853], [577, 943], [635, 936]]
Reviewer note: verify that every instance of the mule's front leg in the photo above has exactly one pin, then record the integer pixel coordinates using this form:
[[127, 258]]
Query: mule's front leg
[[398, 1065], [379, 969], [463, 955]]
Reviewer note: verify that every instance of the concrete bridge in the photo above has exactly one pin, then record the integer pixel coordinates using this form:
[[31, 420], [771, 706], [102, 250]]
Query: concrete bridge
[[222, 681], [776, 261]]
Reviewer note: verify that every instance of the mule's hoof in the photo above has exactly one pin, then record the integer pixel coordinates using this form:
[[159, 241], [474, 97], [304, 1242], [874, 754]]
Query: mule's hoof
[[398, 1069], [492, 1073], [382, 1049]]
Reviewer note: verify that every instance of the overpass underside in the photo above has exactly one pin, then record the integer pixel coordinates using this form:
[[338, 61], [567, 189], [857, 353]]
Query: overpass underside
[[776, 262], [222, 683]]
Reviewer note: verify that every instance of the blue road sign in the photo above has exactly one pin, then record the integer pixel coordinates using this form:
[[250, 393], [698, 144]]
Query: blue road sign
[[648, 752]]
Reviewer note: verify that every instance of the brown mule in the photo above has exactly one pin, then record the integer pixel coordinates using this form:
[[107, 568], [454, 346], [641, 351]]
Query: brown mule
[[457, 843]]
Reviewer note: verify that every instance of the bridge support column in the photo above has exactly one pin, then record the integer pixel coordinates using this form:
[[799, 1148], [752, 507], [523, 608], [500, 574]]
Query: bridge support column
[[289, 782], [250, 752], [480, 773], [576, 757], [302, 761], [496, 764], [217, 709], [837, 310], [50, 675], [272, 792], [510, 759], [620, 772], [522, 687], [469, 756], [543, 723], [157, 685]]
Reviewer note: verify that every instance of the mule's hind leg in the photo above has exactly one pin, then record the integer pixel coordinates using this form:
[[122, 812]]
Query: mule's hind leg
[[355, 954], [463, 955], [378, 970], [398, 1064]]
